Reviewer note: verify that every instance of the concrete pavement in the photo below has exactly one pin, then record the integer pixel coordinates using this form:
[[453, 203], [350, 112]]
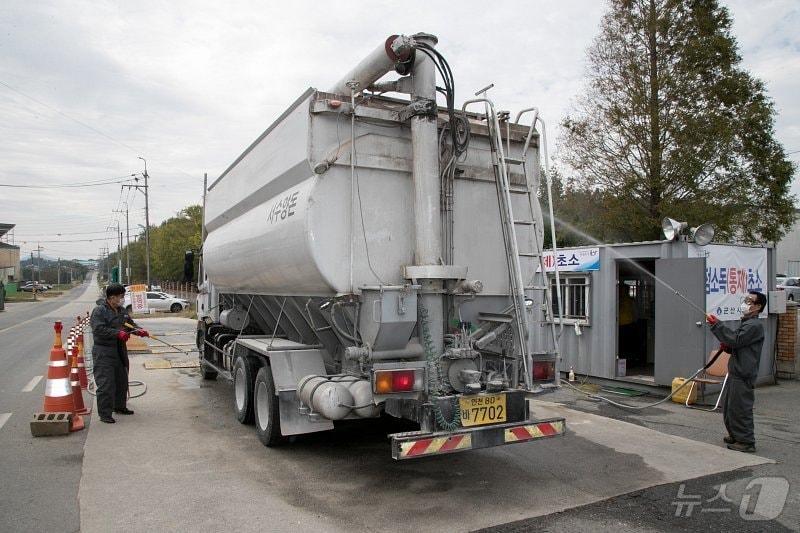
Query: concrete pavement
[[183, 450], [777, 428], [182, 462]]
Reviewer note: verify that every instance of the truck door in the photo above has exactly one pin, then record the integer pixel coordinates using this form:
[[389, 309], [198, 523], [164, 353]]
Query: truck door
[[680, 342]]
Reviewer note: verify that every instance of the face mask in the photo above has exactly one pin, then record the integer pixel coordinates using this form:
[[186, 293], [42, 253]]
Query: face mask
[[744, 308]]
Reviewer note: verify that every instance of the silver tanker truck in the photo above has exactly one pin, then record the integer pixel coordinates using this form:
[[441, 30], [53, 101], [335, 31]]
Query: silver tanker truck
[[371, 255]]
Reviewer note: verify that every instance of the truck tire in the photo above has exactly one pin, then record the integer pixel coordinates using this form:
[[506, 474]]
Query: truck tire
[[206, 371], [267, 416], [243, 378]]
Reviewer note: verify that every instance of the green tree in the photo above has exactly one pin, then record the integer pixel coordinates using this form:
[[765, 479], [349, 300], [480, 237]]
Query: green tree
[[168, 244], [671, 125], [170, 241]]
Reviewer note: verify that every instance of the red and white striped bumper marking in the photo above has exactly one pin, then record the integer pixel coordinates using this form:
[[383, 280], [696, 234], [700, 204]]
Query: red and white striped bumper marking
[[534, 431], [417, 448]]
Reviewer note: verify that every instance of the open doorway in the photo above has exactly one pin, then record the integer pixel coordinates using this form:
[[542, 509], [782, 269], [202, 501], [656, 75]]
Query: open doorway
[[636, 298]]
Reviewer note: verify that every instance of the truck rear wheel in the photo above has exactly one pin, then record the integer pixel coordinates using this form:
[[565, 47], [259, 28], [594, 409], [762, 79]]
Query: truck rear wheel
[[267, 416], [243, 377]]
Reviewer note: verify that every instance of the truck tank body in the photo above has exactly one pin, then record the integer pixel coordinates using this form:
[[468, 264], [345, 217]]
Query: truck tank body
[[275, 227]]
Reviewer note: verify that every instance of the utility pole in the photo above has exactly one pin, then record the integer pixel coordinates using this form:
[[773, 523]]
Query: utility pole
[[38, 261], [119, 249], [128, 244], [38, 268], [146, 190], [58, 276]]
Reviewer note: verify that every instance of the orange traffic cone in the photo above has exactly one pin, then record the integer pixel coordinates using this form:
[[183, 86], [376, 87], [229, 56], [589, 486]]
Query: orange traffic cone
[[58, 397], [75, 383], [82, 377]]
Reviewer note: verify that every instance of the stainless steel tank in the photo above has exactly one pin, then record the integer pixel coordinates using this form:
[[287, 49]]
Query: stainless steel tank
[[276, 227]]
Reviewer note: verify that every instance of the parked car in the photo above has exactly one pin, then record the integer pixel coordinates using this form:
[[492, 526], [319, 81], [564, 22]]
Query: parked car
[[160, 302], [29, 286], [792, 287]]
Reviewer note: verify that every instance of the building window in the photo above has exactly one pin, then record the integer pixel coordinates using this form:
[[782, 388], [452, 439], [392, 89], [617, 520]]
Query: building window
[[575, 295]]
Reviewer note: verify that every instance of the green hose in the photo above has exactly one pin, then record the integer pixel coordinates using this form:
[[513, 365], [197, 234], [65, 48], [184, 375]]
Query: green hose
[[435, 373]]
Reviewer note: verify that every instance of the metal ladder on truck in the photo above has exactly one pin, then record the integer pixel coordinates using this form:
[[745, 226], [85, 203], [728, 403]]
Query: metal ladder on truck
[[501, 164]]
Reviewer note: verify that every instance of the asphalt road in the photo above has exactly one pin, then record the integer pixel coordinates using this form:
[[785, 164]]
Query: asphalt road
[[40, 476]]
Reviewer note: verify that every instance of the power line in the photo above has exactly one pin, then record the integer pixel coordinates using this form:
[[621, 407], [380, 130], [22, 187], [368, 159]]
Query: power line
[[109, 181], [109, 137], [59, 234], [97, 131], [68, 240]]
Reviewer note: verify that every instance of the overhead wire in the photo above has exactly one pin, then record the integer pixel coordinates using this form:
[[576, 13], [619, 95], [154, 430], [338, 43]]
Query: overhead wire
[[98, 183], [67, 240], [88, 126], [60, 233], [103, 134]]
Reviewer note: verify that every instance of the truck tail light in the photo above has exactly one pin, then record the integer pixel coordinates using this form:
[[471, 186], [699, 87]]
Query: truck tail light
[[391, 381], [544, 370]]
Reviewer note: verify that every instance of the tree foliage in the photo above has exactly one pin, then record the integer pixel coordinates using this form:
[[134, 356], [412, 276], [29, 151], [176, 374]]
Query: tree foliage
[[671, 125], [168, 243]]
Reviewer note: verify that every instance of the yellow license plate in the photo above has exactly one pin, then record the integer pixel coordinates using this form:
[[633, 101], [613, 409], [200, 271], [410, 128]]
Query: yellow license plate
[[483, 409]]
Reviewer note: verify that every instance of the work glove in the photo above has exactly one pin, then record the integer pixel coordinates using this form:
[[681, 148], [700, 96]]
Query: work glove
[[712, 319], [141, 333], [123, 335]]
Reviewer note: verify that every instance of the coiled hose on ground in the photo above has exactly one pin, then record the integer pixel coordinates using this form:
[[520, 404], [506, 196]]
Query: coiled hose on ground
[[637, 407]]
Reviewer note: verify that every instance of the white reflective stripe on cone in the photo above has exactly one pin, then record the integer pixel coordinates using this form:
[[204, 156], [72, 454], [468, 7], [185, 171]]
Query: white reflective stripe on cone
[[57, 388], [62, 362]]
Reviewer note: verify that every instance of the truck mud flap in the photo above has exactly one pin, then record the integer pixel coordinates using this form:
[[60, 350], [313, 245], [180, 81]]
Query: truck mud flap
[[416, 444]]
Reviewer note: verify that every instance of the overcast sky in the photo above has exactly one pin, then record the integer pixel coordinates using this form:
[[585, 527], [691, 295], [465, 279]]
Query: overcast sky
[[87, 87]]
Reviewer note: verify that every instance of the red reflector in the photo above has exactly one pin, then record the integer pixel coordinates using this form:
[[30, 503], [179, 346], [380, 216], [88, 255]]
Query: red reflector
[[403, 380], [544, 370]]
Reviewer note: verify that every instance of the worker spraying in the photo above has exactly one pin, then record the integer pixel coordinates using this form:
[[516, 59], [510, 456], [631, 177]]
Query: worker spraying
[[110, 327], [744, 344]]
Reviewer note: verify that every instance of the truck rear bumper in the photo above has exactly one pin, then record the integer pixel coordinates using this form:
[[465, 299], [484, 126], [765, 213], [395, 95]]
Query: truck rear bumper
[[415, 444]]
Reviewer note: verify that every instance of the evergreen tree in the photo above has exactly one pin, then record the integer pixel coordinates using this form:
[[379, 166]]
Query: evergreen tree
[[671, 125]]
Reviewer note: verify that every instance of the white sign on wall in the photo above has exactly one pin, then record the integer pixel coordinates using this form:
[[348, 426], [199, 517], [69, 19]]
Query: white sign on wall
[[731, 272], [577, 260]]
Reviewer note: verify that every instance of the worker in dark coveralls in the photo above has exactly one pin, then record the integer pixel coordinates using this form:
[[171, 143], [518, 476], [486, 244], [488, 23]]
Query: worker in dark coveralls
[[110, 353], [744, 344]]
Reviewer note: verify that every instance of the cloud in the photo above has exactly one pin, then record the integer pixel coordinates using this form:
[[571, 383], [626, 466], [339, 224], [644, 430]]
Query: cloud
[[190, 85]]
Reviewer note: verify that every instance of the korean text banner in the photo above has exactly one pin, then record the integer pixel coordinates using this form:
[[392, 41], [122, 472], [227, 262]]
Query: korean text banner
[[731, 271], [578, 260]]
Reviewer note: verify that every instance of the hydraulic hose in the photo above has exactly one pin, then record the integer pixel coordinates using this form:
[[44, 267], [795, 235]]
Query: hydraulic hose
[[636, 407]]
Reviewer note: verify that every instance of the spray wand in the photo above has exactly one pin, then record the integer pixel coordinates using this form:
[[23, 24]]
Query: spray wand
[[134, 328]]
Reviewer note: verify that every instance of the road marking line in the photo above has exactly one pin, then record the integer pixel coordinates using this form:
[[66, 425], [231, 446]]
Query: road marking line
[[4, 418], [32, 384]]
